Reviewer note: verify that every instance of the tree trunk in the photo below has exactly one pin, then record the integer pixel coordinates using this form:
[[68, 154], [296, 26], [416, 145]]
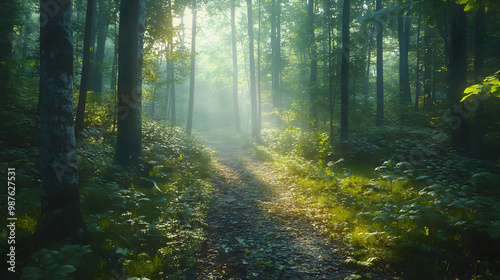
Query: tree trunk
[[85, 76], [7, 15], [366, 81], [428, 65], [253, 90], [235, 68], [102, 30], [93, 37], [26, 37], [114, 67], [153, 99], [259, 112], [480, 34], [63, 222], [275, 53], [404, 43], [314, 65], [191, 80], [458, 78], [141, 28], [112, 86], [278, 54], [417, 70], [172, 93], [128, 140], [330, 68], [379, 120], [171, 65], [344, 78]]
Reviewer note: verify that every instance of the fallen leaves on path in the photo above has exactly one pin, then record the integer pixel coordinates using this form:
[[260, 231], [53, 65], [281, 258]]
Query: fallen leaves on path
[[251, 232]]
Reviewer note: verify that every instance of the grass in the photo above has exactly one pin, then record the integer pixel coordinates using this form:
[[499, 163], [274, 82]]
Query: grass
[[391, 222]]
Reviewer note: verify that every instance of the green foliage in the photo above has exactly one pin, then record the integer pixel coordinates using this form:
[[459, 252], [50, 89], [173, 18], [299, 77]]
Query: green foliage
[[146, 220], [294, 141], [490, 86], [55, 264], [420, 217], [150, 217]]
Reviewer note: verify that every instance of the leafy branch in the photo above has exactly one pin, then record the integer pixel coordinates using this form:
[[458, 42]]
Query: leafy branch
[[489, 86]]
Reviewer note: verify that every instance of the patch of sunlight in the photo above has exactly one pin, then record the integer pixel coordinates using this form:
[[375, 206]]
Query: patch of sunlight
[[354, 183], [339, 214], [28, 223]]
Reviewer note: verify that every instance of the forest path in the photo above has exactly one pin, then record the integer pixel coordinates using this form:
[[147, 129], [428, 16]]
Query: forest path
[[251, 232]]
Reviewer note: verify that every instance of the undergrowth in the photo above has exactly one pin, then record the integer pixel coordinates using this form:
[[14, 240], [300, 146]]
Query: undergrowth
[[434, 219], [145, 221]]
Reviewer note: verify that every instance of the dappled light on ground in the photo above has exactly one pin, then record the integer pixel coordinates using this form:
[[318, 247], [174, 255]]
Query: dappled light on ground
[[251, 233]]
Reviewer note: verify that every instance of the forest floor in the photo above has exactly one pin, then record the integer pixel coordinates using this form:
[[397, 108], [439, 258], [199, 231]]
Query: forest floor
[[253, 233]]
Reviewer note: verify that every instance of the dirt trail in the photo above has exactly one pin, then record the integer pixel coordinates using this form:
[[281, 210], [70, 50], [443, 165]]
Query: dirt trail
[[252, 235]]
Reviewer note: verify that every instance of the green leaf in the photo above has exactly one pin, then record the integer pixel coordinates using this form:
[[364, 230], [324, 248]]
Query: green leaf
[[31, 273], [122, 251], [65, 269]]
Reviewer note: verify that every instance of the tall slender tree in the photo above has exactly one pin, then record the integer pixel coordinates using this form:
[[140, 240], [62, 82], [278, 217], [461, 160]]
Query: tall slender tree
[[344, 78], [379, 120], [417, 69], [235, 67], [8, 17], [258, 78], [85, 76], [275, 51], [63, 222], [114, 70], [458, 78], [480, 34], [253, 90], [191, 80], [330, 67], [314, 64], [101, 32], [404, 44], [428, 65], [171, 63], [128, 138]]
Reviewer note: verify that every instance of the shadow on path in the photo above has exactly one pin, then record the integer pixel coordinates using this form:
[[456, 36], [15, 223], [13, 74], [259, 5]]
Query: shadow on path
[[247, 239]]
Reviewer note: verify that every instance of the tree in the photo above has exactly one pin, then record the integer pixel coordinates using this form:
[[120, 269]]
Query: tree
[[458, 78], [101, 32], [8, 17], [62, 222], [191, 80], [171, 63], [417, 70], [114, 70], [128, 138], [404, 44], [427, 67], [235, 68], [344, 78], [314, 64], [276, 51], [480, 34], [330, 67], [380, 70], [253, 90], [85, 76]]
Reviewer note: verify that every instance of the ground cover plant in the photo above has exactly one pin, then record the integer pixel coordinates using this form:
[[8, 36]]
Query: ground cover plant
[[432, 220], [145, 221]]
